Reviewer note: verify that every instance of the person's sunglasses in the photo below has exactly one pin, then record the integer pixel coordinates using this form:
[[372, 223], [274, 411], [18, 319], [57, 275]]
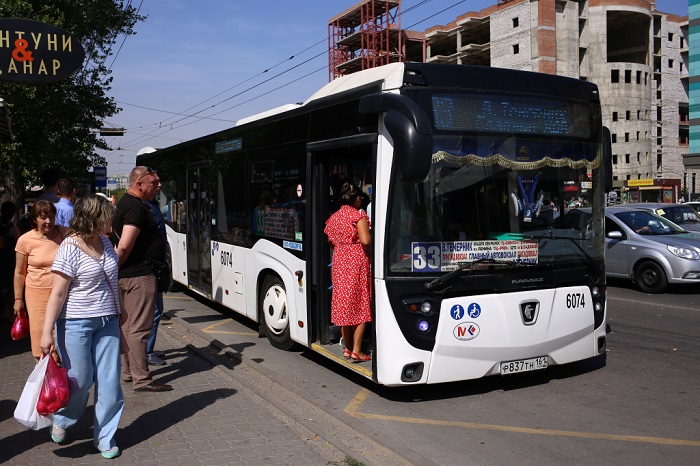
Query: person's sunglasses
[[148, 171]]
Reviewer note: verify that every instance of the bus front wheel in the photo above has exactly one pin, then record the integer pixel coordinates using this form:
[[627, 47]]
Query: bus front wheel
[[274, 313]]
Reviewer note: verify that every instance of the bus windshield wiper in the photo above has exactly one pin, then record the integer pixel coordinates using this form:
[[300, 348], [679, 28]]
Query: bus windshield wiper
[[574, 241], [467, 267]]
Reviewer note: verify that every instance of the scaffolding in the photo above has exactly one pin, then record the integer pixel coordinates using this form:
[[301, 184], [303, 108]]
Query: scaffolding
[[364, 36]]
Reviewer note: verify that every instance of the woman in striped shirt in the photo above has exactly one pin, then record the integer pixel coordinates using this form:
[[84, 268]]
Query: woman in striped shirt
[[84, 307]]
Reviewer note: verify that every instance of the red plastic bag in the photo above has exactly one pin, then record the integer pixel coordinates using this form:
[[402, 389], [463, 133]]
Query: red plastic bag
[[20, 328], [54, 392]]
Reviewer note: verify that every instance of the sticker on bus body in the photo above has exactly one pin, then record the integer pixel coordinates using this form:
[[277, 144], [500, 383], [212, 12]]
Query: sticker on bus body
[[292, 245], [466, 331], [449, 255]]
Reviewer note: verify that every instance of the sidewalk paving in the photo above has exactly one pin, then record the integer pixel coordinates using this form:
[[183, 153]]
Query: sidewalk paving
[[208, 419]]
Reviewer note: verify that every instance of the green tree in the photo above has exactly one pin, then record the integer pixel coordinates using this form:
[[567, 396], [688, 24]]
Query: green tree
[[52, 122]]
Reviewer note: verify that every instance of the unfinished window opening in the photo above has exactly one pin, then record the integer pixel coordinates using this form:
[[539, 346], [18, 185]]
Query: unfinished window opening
[[627, 37]]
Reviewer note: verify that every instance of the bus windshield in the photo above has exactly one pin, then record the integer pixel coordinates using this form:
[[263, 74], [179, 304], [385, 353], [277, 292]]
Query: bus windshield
[[500, 196]]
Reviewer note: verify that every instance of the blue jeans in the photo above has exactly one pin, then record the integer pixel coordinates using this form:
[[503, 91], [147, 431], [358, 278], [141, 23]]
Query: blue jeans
[[89, 350], [151, 345]]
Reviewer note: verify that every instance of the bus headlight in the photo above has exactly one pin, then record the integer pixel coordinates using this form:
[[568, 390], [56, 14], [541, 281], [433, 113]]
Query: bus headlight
[[419, 306], [598, 296]]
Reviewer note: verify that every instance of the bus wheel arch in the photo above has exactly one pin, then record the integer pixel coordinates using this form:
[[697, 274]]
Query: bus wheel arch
[[273, 311], [650, 277]]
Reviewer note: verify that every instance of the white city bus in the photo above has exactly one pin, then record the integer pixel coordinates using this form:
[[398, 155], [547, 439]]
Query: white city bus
[[476, 270]]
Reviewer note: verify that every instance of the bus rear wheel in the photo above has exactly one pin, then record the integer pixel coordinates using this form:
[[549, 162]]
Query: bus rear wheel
[[274, 313]]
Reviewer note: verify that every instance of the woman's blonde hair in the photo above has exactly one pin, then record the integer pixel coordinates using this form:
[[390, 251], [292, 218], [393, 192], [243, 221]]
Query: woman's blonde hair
[[91, 215]]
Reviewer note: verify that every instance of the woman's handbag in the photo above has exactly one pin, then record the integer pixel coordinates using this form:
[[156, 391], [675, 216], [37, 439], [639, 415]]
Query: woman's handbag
[[25, 412], [55, 393], [20, 328]]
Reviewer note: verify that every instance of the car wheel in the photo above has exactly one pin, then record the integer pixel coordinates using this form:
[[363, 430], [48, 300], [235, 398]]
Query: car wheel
[[274, 313], [650, 277]]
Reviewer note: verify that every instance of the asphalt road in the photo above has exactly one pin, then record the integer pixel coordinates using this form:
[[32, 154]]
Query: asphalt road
[[638, 405]]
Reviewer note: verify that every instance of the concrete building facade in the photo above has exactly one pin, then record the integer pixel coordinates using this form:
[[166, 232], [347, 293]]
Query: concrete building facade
[[638, 57]]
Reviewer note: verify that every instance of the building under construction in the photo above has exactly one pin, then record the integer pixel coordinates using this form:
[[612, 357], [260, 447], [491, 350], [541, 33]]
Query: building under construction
[[369, 34]]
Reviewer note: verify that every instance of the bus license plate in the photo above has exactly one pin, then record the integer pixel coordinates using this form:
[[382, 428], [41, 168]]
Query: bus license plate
[[524, 365]]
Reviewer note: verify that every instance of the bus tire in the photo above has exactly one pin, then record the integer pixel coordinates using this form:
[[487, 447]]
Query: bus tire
[[650, 277], [274, 313]]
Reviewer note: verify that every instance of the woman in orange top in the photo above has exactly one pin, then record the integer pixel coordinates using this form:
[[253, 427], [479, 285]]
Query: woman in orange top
[[35, 251]]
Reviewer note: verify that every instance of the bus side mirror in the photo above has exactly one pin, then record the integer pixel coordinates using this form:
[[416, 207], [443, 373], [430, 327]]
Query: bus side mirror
[[412, 151], [607, 160], [410, 130]]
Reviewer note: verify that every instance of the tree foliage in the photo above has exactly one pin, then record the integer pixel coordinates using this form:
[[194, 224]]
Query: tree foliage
[[52, 122]]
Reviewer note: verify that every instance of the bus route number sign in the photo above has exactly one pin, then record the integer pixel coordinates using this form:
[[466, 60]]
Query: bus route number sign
[[426, 257]]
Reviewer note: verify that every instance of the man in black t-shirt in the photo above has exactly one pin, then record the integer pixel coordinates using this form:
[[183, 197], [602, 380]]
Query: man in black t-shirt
[[139, 241]]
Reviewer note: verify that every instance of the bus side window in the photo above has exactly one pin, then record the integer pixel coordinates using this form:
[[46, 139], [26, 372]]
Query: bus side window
[[232, 225]]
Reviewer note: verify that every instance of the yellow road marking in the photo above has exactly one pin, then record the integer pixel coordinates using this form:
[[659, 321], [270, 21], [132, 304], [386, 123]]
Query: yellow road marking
[[362, 395], [225, 321]]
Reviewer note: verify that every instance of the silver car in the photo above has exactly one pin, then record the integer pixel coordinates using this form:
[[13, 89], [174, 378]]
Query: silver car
[[649, 249], [683, 215], [646, 248]]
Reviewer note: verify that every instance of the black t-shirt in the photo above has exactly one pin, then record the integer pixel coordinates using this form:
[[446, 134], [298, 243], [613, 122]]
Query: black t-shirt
[[149, 243]]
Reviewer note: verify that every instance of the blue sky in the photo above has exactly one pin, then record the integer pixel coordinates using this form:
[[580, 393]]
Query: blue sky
[[208, 58]]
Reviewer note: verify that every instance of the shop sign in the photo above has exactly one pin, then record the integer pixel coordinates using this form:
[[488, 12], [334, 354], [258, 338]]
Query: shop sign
[[34, 52], [643, 182]]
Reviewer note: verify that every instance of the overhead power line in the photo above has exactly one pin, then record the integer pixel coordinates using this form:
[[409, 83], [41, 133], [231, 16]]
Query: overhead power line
[[168, 125]]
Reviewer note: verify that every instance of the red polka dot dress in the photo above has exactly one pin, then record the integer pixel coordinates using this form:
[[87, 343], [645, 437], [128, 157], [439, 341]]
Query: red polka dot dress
[[351, 271]]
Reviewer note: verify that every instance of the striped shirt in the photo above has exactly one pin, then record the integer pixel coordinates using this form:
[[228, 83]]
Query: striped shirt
[[89, 294]]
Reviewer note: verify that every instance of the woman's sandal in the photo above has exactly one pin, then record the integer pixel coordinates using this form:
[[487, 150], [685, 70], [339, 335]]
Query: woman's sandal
[[356, 357], [347, 354]]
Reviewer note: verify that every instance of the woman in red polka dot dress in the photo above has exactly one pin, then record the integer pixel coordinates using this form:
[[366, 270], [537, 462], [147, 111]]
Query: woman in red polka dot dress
[[351, 271]]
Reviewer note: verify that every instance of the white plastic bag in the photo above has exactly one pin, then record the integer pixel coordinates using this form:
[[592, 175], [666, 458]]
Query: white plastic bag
[[26, 413]]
